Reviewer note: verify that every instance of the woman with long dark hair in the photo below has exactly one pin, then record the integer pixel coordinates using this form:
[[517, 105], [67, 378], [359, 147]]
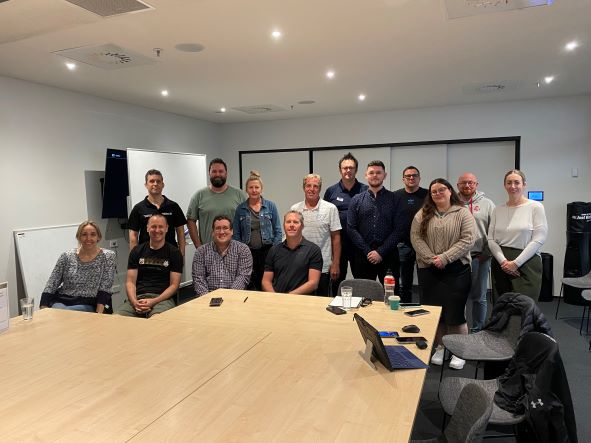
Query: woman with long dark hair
[[442, 234]]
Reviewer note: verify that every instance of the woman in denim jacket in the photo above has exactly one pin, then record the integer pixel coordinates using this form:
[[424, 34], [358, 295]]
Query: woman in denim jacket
[[257, 224]]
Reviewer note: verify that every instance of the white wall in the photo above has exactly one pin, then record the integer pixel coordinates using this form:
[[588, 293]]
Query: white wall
[[556, 136], [49, 138]]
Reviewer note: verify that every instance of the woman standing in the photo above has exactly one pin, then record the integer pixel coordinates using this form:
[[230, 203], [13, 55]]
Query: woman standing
[[517, 231], [83, 277], [442, 234], [257, 223]]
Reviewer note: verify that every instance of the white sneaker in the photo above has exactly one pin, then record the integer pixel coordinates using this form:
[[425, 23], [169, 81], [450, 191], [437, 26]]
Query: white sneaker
[[437, 358], [456, 362]]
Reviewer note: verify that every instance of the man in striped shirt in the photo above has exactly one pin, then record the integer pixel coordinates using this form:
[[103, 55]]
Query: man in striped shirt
[[223, 262]]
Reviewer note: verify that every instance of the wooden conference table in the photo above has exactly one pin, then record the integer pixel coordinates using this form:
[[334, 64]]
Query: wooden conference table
[[273, 368]]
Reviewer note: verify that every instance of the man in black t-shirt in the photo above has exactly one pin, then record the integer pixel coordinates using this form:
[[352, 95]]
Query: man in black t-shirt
[[411, 199], [153, 273], [156, 203]]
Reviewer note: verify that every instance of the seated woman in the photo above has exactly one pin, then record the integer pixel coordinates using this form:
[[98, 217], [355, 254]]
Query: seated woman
[[82, 277]]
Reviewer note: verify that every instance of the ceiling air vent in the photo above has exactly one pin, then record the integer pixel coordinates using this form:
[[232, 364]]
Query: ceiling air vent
[[107, 56], [467, 8], [490, 87], [109, 8], [259, 109]]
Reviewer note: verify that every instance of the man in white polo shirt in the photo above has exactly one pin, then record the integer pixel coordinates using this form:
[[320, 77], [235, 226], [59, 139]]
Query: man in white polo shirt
[[322, 227]]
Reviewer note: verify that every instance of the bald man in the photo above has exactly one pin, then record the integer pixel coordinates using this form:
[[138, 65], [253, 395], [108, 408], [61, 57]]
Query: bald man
[[481, 208]]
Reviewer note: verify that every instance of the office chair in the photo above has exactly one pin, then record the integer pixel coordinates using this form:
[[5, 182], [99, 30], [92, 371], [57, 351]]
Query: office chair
[[372, 289]]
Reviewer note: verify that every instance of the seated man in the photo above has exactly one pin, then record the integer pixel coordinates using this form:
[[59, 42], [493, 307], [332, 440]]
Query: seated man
[[294, 265], [153, 273], [223, 262]]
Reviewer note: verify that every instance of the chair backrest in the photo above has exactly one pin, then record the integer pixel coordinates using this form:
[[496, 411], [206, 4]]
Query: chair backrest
[[470, 415], [364, 288], [513, 330]]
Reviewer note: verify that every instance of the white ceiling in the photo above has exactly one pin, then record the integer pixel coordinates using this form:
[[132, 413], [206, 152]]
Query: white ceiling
[[400, 53]]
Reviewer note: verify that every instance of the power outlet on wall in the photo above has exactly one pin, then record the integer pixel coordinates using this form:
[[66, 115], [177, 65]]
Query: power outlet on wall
[[113, 243]]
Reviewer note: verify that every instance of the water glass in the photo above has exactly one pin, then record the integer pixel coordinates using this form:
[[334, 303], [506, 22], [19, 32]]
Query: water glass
[[346, 294], [27, 305]]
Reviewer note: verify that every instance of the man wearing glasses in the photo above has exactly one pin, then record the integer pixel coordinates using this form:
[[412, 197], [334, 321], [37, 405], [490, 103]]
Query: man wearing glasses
[[481, 208], [223, 262], [340, 195], [411, 198]]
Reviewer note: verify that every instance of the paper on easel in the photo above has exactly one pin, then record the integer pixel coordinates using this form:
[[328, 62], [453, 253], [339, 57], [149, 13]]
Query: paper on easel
[[338, 301], [4, 311]]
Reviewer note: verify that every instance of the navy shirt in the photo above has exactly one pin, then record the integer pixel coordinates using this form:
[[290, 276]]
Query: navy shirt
[[410, 203], [374, 221], [339, 196], [141, 212]]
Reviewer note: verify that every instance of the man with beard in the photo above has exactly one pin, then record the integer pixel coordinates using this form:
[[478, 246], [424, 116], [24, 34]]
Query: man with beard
[[218, 198], [374, 225]]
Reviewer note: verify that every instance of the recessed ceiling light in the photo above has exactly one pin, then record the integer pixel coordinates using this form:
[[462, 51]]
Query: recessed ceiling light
[[571, 46], [164, 93], [361, 97], [330, 74], [222, 109], [276, 34], [71, 66], [549, 79]]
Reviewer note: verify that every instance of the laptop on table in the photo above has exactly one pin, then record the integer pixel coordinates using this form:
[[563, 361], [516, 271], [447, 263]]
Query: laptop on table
[[392, 357]]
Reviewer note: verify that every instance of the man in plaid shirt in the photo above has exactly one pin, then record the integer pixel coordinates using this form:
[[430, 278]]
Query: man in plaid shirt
[[223, 262]]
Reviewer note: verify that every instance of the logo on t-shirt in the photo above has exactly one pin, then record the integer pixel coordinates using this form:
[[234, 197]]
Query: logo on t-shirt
[[141, 262], [165, 263]]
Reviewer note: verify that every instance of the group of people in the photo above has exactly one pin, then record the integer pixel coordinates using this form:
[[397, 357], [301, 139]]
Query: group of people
[[454, 237]]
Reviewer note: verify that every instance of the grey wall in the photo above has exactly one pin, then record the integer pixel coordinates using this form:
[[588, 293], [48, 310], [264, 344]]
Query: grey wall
[[49, 138], [556, 136]]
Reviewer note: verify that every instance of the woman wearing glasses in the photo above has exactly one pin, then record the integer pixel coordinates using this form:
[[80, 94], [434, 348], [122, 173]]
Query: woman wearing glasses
[[257, 224], [517, 231], [442, 234]]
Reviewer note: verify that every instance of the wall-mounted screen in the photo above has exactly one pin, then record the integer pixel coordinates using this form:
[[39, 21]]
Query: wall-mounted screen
[[116, 188]]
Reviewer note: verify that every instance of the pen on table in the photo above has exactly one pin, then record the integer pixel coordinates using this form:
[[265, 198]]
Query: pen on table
[[245, 300]]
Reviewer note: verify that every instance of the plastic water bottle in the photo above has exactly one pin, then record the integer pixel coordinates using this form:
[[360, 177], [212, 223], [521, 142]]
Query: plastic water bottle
[[389, 283]]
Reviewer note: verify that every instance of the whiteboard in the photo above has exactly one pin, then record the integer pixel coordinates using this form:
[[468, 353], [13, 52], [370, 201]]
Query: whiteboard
[[183, 174], [38, 250]]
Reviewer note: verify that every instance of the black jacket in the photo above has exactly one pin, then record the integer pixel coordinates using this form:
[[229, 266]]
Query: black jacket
[[535, 384], [512, 303]]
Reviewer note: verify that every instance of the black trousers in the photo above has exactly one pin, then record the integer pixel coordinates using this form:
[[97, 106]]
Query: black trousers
[[347, 257], [258, 267], [364, 269]]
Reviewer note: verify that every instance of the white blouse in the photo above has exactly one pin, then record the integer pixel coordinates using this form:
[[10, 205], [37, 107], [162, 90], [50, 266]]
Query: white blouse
[[522, 227]]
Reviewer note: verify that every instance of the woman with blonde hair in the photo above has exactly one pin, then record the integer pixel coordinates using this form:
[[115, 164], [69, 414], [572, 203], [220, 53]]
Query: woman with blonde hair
[[257, 224], [517, 231], [82, 278], [442, 234]]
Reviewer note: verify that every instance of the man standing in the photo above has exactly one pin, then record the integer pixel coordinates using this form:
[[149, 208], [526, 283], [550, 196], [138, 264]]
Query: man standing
[[294, 265], [222, 263], [373, 225], [411, 199], [481, 208], [153, 273], [218, 198], [340, 195], [321, 227], [156, 203]]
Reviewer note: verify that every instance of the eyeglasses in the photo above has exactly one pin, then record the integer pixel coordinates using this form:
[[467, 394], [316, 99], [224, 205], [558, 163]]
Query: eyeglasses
[[408, 176], [439, 191], [467, 183], [222, 228]]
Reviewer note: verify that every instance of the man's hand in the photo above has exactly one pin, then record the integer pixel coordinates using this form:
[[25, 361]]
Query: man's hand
[[144, 305], [334, 271], [374, 258]]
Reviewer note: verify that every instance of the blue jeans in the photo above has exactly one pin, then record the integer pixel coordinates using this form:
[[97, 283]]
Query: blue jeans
[[406, 261], [82, 308], [478, 292]]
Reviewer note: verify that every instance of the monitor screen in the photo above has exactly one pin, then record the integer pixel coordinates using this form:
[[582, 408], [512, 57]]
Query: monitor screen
[[116, 188], [536, 195]]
